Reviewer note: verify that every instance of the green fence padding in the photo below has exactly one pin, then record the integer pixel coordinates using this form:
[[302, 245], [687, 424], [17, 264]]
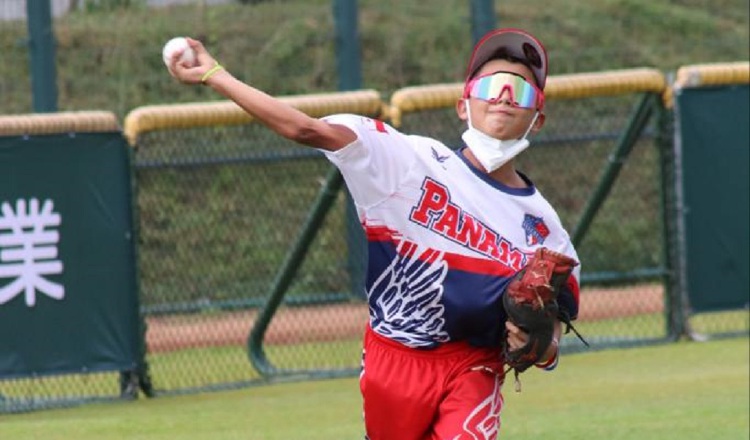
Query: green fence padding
[[713, 132], [68, 299]]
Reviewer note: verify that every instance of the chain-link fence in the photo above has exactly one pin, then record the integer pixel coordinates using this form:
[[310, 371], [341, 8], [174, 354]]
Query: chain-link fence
[[215, 231]]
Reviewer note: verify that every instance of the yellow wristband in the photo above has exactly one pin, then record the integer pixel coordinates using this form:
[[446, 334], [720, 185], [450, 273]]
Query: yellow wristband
[[552, 359], [210, 72]]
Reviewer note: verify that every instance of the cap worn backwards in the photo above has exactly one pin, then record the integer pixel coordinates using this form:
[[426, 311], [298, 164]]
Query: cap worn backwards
[[517, 43]]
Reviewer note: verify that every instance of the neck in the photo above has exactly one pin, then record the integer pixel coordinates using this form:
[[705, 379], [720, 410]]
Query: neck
[[506, 174]]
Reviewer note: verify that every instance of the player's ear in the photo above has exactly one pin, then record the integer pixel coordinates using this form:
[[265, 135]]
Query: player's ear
[[539, 123], [461, 109]]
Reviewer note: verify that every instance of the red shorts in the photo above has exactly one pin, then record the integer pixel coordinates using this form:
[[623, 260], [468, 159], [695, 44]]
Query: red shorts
[[451, 392]]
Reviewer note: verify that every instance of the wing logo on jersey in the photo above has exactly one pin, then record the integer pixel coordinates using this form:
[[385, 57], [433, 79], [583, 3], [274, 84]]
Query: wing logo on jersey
[[435, 155], [407, 297], [536, 230]]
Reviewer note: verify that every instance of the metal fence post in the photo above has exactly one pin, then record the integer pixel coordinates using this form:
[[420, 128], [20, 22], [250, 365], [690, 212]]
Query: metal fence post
[[289, 267], [635, 127], [42, 56], [675, 321], [349, 68], [482, 18]]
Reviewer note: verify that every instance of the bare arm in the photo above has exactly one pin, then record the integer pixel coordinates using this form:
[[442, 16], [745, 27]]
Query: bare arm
[[276, 115]]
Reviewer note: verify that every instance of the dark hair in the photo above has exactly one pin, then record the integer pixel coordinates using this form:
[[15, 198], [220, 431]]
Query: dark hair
[[504, 54]]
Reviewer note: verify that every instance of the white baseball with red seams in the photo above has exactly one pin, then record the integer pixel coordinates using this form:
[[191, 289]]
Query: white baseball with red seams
[[177, 44]]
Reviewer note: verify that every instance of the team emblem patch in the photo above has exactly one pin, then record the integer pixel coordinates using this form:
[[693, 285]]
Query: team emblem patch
[[536, 230]]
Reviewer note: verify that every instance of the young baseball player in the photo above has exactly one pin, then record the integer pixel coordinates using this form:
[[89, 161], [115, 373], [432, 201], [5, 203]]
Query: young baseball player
[[446, 231]]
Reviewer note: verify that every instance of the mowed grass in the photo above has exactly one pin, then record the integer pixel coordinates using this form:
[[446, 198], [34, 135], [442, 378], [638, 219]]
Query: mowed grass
[[686, 391], [211, 367]]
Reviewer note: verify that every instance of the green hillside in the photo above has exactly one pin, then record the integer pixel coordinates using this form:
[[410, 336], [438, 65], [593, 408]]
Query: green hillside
[[111, 60]]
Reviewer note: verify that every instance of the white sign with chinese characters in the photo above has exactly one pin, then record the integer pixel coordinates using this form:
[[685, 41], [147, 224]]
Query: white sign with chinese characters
[[28, 251]]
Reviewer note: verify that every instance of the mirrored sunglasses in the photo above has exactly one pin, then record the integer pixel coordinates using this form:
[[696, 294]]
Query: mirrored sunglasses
[[491, 87]]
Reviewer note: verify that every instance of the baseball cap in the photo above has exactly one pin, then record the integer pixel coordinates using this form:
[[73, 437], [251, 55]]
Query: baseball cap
[[519, 44]]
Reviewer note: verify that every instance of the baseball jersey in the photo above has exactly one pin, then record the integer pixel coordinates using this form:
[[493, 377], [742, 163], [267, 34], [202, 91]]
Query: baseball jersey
[[443, 238]]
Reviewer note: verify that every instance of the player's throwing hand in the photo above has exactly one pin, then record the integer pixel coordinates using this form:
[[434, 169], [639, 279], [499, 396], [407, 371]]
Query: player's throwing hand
[[205, 65]]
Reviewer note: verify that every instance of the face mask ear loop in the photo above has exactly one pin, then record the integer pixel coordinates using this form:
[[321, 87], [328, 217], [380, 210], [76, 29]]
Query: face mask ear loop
[[533, 121], [468, 113]]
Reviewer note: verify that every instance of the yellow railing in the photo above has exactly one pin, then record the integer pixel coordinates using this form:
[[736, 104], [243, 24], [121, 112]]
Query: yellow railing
[[702, 75], [161, 117], [368, 102], [63, 122], [574, 86]]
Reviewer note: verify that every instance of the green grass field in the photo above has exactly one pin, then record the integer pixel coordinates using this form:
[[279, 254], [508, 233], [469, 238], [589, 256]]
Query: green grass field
[[202, 367], [686, 391]]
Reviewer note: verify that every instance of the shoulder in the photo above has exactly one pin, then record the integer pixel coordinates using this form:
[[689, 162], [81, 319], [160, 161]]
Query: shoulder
[[429, 146], [383, 136], [539, 200], [541, 212], [359, 123]]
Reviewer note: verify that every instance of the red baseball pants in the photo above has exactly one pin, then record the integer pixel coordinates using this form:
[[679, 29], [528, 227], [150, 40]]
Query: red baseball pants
[[448, 393]]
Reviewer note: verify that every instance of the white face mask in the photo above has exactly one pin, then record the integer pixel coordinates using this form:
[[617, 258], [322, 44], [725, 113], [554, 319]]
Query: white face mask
[[490, 152]]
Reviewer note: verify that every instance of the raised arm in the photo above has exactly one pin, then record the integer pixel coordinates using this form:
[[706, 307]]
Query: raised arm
[[276, 115]]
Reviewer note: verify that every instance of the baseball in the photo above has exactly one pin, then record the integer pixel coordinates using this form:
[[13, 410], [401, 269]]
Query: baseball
[[174, 45]]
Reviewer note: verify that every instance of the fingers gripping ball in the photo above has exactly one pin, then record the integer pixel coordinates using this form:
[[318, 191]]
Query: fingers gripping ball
[[178, 44], [530, 301]]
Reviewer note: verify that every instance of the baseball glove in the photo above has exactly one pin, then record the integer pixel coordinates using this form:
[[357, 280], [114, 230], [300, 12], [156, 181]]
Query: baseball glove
[[530, 301]]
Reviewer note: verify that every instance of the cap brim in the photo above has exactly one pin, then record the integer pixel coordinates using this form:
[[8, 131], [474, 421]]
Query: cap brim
[[519, 44]]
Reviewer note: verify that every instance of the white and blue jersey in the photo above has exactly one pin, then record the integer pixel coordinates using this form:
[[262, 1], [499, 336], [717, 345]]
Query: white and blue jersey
[[444, 239]]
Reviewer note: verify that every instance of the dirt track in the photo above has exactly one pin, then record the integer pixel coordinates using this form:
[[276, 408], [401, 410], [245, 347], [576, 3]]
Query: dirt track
[[320, 323]]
